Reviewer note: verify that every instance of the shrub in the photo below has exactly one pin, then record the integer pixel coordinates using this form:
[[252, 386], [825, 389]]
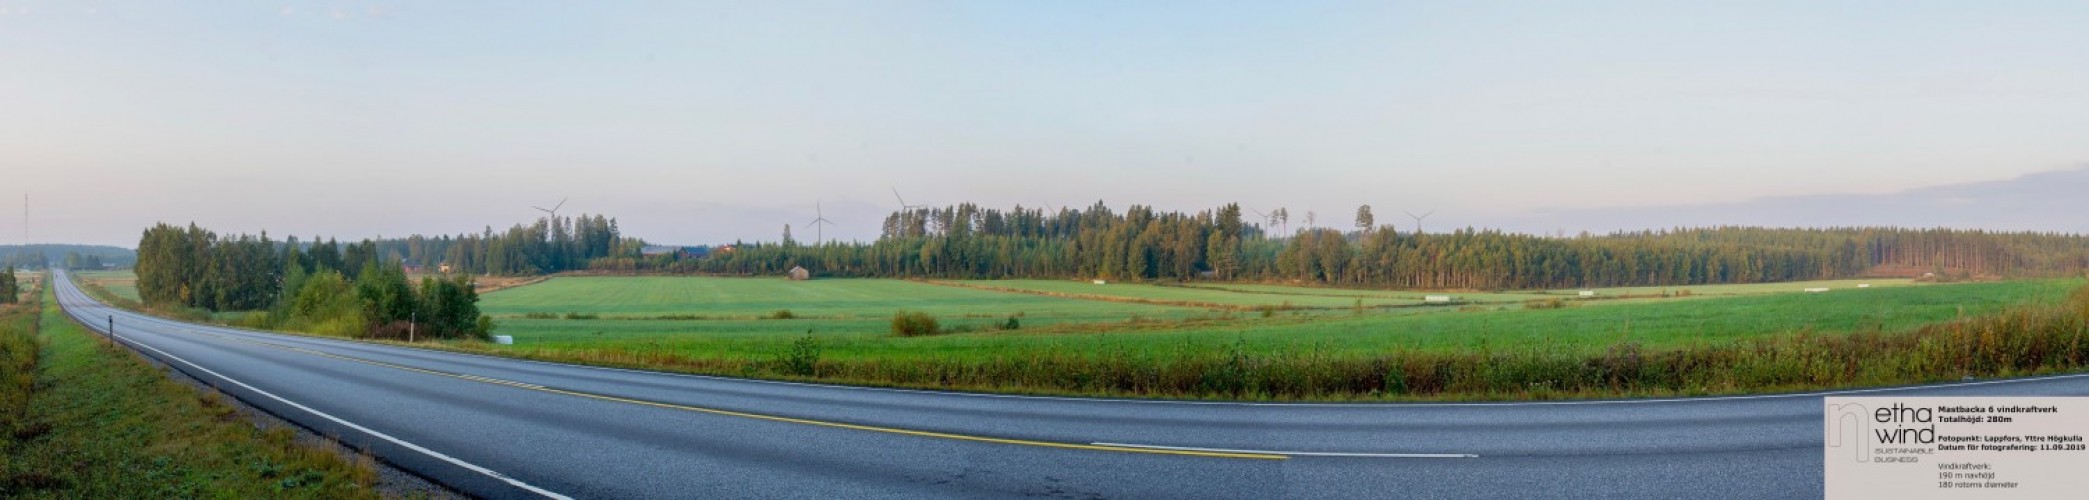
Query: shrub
[[579, 315], [1552, 303], [1012, 324], [541, 315], [914, 324], [803, 359], [781, 314]]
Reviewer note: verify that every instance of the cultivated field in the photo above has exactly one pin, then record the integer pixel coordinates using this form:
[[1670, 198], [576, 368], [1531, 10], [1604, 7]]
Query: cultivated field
[[1210, 297], [722, 317], [1260, 341], [120, 283]]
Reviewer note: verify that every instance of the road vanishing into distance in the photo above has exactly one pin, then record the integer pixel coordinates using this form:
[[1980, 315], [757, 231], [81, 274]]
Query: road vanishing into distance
[[505, 428]]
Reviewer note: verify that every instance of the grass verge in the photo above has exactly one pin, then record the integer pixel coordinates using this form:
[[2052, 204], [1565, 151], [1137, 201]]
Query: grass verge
[[89, 419]]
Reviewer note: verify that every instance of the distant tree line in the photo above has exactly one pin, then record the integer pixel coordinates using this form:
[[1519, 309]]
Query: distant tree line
[[1142, 244], [39, 256], [76, 260], [325, 287], [547, 245]]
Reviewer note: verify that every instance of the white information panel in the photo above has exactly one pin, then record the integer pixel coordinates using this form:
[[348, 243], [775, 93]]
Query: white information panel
[[1931, 447]]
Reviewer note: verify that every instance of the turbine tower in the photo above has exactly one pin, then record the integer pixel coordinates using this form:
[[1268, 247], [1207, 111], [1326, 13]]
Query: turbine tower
[[820, 217]]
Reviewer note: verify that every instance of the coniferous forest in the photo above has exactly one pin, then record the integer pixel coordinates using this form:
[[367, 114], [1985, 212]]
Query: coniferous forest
[[1140, 243], [198, 268]]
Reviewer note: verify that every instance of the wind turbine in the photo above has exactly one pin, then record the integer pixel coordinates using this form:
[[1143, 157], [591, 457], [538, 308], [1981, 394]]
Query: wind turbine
[[1418, 220], [906, 212], [554, 210], [818, 234], [903, 201], [1268, 217]]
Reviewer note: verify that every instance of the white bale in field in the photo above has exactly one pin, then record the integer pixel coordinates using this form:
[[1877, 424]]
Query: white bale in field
[[1863, 285], [1436, 298], [503, 339], [1816, 290], [1101, 282], [1588, 293]]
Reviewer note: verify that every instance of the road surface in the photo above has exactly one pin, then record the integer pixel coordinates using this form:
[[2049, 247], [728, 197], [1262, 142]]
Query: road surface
[[505, 428]]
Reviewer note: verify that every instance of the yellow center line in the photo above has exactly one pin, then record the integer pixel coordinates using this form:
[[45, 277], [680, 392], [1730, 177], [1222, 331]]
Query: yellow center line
[[771, 418]]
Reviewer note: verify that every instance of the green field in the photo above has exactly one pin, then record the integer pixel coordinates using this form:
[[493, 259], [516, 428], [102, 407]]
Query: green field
[[1257, 295], [749, 298], [1242, 341], [1203, 296], [120, 283], [1746, 289], [851, 317]]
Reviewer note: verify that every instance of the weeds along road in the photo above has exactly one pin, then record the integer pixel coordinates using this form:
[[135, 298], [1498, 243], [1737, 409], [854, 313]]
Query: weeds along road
[[518, 429]]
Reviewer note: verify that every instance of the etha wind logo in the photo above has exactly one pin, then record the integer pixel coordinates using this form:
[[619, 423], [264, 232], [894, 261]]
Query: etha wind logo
[[1856, 428]]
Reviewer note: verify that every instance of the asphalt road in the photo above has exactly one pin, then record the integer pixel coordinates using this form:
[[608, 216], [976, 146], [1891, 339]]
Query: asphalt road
[[509, 428]]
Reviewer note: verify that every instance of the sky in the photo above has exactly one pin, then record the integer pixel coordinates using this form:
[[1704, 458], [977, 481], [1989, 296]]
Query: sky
[[701, 122]]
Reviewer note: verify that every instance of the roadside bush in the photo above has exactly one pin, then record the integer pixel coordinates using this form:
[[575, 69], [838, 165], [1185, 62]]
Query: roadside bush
[[804, 357], [914, 324]]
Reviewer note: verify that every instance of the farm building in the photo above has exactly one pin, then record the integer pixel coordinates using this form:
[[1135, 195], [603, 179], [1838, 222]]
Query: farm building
[[798, 273]]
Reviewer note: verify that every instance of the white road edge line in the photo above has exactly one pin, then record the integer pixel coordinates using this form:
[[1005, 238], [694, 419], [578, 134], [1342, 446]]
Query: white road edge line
[[432, 453], [1294, 453]]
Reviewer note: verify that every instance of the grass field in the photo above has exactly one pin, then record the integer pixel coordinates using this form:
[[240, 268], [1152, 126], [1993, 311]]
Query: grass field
[[1232, 341], [1256, 295], [1200, 296], [851, 317], [750, 298], [120, 283], [1718, 339]]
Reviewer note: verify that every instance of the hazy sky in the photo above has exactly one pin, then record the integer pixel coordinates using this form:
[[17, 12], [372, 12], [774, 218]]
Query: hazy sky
[[698, 122]]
